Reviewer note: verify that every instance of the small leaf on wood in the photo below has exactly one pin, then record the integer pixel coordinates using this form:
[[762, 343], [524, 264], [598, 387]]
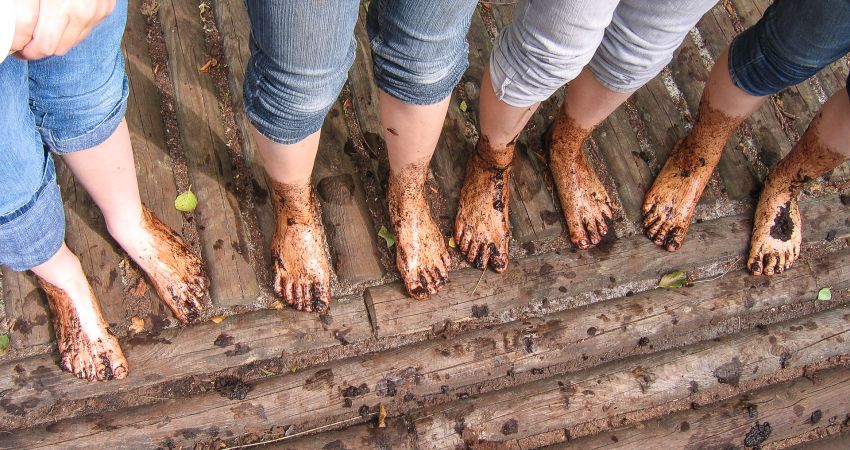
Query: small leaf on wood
[[382, 416], [137, 325], [462, 106], [825, 294], [4, 344], [186, 201], [217, 319], [266, 372], [452, 242], [675, 279], [387, 235]]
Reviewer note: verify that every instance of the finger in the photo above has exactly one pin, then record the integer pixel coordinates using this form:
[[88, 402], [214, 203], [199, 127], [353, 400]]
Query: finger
[[70, 38], [48, 31]]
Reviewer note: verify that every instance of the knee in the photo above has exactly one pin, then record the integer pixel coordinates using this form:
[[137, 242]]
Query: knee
[[34, 232], [526, 70], [421, 73], [287, 104]]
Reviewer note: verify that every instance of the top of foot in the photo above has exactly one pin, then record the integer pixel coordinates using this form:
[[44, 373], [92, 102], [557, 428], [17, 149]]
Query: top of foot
[[87, 348], [422, 257], [482, 231], [301, 271]]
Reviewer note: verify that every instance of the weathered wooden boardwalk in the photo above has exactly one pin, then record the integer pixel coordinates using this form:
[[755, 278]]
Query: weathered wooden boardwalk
[[568, 348]]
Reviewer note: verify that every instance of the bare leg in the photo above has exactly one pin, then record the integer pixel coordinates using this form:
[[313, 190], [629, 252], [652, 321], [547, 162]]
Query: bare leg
[[302, 276], [108, 173], [587, 207], [481, 230], [86, 346], [777, 229], [411, 133], [669, 205]]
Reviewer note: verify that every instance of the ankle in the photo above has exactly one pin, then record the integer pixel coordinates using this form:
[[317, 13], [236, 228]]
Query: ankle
[[495, 157]]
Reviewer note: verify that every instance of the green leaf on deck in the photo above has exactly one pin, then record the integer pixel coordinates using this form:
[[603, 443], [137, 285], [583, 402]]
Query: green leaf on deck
[[186, 202], [387, 235], [462, 106], [825, 294], [675, 279], [4, 344]]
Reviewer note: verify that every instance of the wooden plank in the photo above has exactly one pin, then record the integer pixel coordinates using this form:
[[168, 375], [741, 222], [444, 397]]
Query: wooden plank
[[178, 362], [359, 437], [618, 142], [235, 28], [551, 282], [790, 408], [625, 392], [26, 307], [232, 278], [347, 223], [437, 371]]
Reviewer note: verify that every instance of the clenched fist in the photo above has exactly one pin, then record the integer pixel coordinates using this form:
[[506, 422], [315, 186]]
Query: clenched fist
[[53, 27]]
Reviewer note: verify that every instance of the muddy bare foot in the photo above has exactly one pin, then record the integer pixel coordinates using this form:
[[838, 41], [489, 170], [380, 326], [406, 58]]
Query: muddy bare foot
[[777, 232], [587, 207], [86, 346], [777, 227], [482, 231], [301, 273], [670, 203], [175, 272], [421, 255]]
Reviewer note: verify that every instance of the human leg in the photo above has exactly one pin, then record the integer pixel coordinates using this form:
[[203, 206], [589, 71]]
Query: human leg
[[420, 53], [300, 56]]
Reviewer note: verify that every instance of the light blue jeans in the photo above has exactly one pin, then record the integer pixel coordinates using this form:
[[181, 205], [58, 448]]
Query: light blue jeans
[[302, 51], [60, 105], [624, 43]]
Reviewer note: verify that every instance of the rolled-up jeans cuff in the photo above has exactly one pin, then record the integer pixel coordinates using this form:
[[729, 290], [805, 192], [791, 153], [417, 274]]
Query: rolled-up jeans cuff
[[33, 233], [420, 94], [96, 135]]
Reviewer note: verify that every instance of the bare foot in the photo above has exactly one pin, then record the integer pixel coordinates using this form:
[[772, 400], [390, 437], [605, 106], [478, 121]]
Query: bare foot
[[302, 277], [587, 208], [175, 272], [777, 232], [777, 228], [670, 203], [482, 232], [86, 346], [421, 256]]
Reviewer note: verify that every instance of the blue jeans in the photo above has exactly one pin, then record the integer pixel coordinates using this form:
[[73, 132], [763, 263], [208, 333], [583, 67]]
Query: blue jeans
[[60, 105], [794, 40], [301, 52]]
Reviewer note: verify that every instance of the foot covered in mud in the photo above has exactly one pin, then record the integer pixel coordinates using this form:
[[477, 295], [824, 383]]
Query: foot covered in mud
[[421, 255], [87, 348], [587, 207], [482, 232], [777, 234], [175, 271], [302, 276], [670, 203]]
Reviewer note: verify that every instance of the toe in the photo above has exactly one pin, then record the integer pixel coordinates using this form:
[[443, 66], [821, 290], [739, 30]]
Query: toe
[[651, 227], [755, 264], [426, 282], [592, 232], [415, 288], [770, 264], [661, 234], [674, 239], [602, 226], [288, 293], [780, 262], [484, 255], [472, 252], [578, 236], [321, 298]]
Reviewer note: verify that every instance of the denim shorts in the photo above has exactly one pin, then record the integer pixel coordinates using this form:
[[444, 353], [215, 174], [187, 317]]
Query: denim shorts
[[301, 53], [56, 105], [793, 41], [624, 44]]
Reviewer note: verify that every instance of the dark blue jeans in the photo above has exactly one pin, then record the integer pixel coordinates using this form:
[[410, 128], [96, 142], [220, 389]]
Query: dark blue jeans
[[793, 41]]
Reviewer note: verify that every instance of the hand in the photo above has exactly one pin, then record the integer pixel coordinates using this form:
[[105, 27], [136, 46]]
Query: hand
[[27, 16], [62, 24]]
